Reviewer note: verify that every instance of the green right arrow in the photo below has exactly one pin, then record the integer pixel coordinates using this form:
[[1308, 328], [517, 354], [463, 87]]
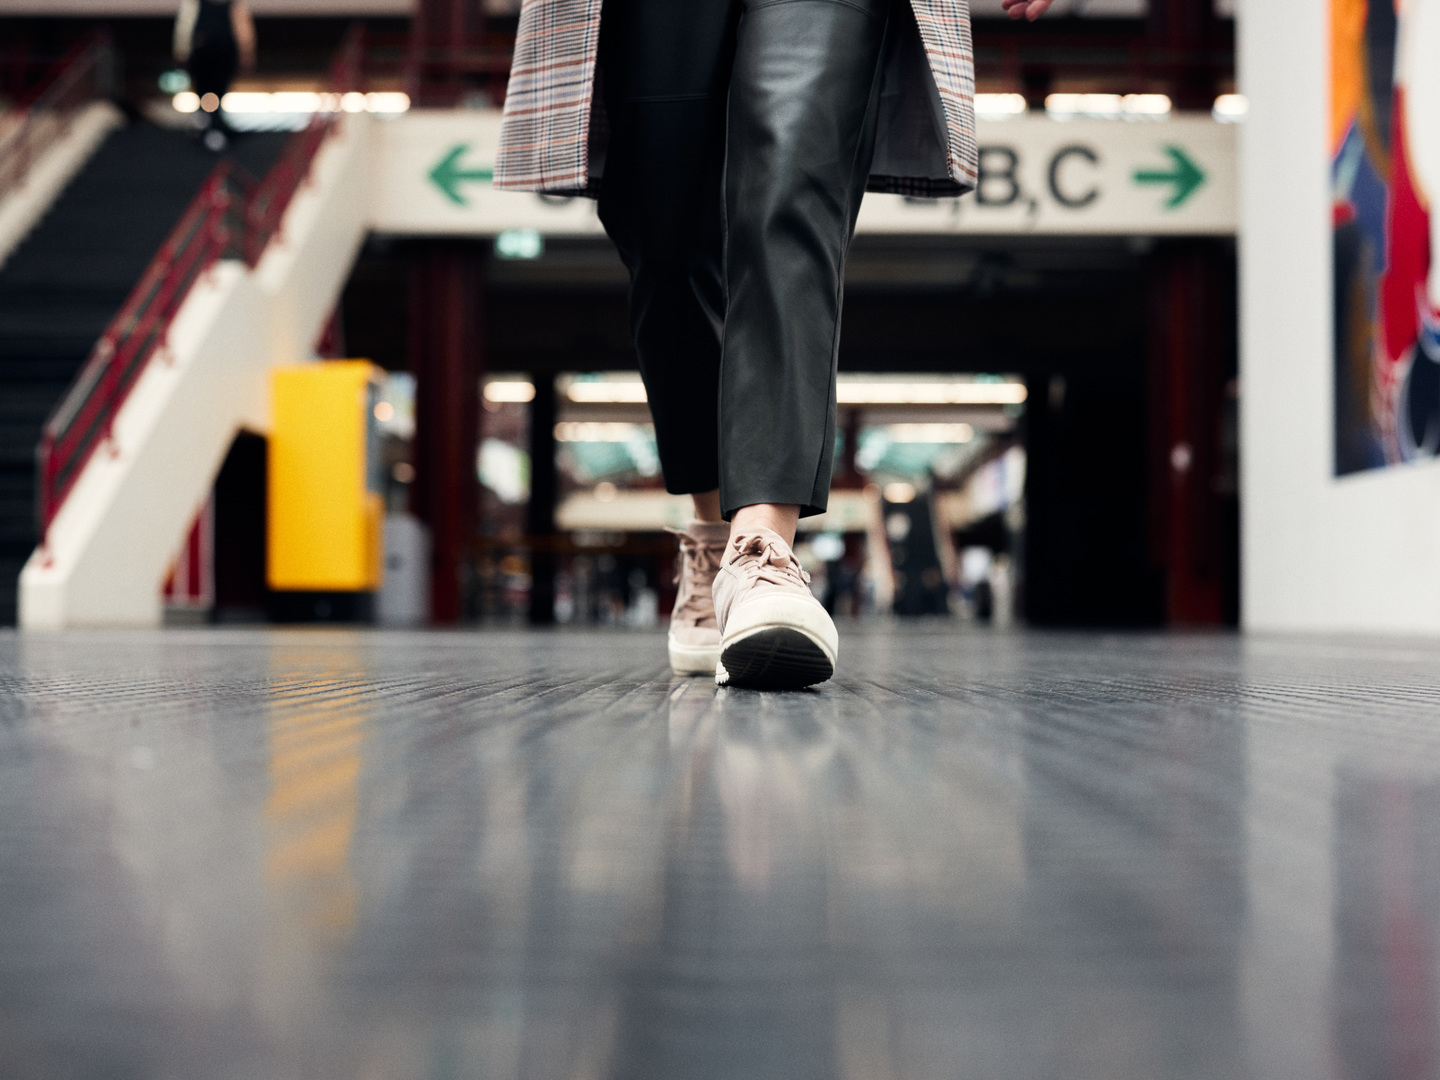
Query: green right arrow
[[1186, 176]]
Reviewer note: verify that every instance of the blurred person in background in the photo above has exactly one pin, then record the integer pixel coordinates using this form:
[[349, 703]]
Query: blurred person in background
[[729, 143], [213, 40]]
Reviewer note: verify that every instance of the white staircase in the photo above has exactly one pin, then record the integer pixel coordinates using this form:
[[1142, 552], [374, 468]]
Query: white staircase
[[108, 549]]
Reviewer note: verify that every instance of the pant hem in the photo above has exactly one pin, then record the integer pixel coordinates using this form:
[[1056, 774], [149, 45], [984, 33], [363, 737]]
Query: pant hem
[[807, 507]]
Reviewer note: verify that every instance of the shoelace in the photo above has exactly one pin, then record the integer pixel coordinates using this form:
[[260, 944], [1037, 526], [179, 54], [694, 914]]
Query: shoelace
[[702, 560], [774, 564]]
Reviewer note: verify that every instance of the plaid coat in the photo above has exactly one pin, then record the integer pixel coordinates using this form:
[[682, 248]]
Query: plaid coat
[[554, 131]]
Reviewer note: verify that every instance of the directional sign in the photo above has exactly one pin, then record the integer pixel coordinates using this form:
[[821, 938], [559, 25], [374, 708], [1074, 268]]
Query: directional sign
[[1185, 177], [1037, 175], [448, 174], [432, 176], [433, 173]]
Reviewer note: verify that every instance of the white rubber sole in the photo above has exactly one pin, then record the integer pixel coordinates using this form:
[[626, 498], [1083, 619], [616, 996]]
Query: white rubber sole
[[693, 659], [777, 642]]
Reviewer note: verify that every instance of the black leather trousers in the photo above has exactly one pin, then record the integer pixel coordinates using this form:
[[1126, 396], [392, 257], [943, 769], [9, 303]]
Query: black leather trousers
[[741, 139]]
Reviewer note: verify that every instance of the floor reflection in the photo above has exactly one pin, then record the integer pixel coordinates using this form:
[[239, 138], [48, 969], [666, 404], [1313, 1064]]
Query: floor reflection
[[737, 978], [1135, 848], [1387, 889], [251, 855], [314, 767]]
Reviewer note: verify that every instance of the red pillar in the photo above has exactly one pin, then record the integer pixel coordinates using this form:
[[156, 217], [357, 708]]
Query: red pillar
[[454, 51], [1185, 37], [1192, 332], [446, 357]]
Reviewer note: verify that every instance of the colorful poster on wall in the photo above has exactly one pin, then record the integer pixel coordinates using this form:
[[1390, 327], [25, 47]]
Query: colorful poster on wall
[[1385, 154]]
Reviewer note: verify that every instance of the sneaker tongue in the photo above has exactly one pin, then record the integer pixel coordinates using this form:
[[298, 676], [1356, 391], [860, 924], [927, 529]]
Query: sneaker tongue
[[774, 561], [755, 543]]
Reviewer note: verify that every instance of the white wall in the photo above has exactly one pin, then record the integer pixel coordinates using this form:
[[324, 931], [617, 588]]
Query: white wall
[[1360, 553]]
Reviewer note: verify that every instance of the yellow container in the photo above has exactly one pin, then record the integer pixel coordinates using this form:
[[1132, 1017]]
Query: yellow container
[[326, 510]]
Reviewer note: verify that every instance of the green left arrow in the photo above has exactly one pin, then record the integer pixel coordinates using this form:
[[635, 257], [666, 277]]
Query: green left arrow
[[1186, 176], [448, 174]]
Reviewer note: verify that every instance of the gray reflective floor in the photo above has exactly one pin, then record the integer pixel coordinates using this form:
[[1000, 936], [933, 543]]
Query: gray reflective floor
[[505, 855]]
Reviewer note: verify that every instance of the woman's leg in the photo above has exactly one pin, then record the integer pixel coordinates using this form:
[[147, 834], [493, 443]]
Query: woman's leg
[[804, 95], [665, 67], [707, 505], [780, 518]]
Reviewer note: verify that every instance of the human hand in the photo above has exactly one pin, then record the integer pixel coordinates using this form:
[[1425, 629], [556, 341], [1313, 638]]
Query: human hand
[[1025, 9]]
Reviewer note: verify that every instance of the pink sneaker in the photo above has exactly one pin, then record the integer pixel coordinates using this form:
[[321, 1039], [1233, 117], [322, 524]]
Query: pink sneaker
[[774, 635], [694, 634]]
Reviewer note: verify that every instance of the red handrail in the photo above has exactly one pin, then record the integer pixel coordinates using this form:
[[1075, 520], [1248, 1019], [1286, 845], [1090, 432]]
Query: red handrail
[[76, 79], [227, 217], [82, 421]]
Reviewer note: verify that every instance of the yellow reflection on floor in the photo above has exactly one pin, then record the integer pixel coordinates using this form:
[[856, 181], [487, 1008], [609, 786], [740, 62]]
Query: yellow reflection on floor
[[314, 767]]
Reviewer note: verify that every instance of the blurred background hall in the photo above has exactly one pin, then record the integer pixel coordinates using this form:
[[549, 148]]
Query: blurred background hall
[[1038, 391], [336, 733]]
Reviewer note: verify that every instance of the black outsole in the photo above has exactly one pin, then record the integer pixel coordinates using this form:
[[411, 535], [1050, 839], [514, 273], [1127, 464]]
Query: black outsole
[[776, 659]]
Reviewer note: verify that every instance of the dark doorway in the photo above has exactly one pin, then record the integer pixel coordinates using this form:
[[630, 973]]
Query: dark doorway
[[240, 590]]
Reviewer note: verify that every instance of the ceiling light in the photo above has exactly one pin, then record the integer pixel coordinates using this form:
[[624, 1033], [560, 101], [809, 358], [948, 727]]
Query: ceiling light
[[387, 102], [509, 390], [239, 101], [929, 433], [1147, 105], [999, 106], [1095, 105], [899, 492], [1108, 106], [519, 244], [608, 392], [599, 431], [850, 390], [1230, 108], [302, 102], [294, 101], [930, 393]]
